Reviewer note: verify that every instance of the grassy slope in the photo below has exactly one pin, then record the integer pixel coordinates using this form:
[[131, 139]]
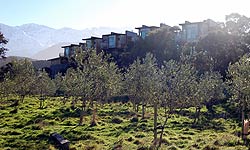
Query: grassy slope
[[30, 128]]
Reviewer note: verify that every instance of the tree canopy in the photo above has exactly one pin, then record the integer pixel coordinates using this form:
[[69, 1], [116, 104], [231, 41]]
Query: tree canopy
[[3, 41]]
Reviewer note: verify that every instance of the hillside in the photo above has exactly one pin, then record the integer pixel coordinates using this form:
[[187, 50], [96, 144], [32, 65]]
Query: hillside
[[118, 127], [50, 52]]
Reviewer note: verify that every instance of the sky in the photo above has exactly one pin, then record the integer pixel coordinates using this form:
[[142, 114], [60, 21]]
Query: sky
[[81, 14]]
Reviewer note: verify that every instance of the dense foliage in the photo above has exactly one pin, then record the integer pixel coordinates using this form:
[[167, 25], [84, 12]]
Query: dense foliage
[[3, 41]]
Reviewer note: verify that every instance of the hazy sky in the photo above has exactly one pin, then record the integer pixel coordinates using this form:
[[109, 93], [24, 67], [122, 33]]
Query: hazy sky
[[80, 14]]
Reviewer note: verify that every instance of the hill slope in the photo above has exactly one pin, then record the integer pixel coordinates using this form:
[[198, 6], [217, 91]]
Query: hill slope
[[50, 52]]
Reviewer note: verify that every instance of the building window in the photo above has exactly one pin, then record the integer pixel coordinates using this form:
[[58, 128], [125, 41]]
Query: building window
[[112, 41], [66, 51], [88, 44], [144, 33]]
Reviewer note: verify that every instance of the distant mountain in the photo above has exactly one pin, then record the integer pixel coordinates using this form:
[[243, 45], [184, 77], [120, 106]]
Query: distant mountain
[[50, 52], [29, 39]]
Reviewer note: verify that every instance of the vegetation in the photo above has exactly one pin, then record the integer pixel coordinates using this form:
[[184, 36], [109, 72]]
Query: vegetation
[[3, 41], [31, 127], [170, 101]]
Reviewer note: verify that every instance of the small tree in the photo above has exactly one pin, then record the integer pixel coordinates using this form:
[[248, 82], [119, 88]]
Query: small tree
[[60, 85], [175, 93], [6, 87], [24, 77], [96, 79], [239, 81], [105, 77], [143, 81], [134, 84], [208, 88], [44, 87], [139, 79], [3, 41]]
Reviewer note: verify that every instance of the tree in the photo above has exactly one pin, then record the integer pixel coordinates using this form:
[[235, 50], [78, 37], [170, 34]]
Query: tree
[[96, 79], [104, 75], [161, 43], [237, 24], [177, 83], [43, 87], [208, 88], [23, 78], [216, 51], [138, 79], [143, 84], [3, 41], [79, 86], [60, 85], [134, 84], [239, 82], [6, 86]]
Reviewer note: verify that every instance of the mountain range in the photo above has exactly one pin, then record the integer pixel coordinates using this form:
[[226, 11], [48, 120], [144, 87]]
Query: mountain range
[[43, 42]]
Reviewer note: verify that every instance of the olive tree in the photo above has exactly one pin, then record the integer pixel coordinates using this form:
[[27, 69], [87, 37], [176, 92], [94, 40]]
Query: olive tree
[[208, 88], [143, 81], [239, 82], [43, 87], [23, 77], [96, 79]]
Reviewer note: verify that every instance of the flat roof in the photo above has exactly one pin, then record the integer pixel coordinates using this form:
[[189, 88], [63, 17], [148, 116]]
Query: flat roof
[[71, 45], [144, 26], [114, 33], [92, 38], [53, 59], [187, 23]]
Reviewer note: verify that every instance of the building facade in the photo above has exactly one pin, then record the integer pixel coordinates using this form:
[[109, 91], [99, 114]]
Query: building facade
[[193, 31], [144, 30]]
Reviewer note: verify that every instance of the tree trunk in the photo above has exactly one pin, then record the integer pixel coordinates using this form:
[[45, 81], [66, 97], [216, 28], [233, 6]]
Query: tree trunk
[[163, 127], [41, 104], [73, 103], [137, 107], [197, 115], [81, 117], [242, 120], [155, 121], [134, 105], [93, 121], [143, 110], [91, 104], [82, 111], [22, 98]]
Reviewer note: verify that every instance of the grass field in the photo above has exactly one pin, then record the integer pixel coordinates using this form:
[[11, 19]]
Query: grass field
[[117, 127]]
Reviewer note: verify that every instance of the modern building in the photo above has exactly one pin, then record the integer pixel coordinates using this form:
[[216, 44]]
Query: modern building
[[69, 50], [93, 42], [144, 30], [118, 41], [114, 41], [192, 31]]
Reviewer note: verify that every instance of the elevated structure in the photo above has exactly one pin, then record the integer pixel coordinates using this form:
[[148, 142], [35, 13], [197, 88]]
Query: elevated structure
[[192, 31], [144, 30]]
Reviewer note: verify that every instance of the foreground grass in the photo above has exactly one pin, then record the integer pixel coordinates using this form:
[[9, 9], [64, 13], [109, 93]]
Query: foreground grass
[[118, 126]]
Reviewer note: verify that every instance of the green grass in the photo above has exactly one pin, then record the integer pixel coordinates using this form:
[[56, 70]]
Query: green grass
[[117, 126]]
